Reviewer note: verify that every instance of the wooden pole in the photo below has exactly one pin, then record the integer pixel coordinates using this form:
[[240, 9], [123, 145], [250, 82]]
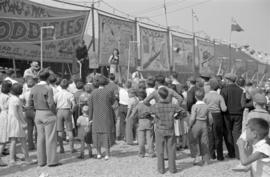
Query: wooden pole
[[93, 28], [14, 66]]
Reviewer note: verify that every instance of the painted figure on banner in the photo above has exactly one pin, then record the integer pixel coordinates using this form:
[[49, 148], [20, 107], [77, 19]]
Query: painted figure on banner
[[114, 61], [206, 56]]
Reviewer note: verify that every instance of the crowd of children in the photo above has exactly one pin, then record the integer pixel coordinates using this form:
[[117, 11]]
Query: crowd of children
[[158, 112]]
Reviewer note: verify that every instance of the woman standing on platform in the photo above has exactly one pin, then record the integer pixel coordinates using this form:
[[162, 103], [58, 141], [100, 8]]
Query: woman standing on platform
[[114, 61]]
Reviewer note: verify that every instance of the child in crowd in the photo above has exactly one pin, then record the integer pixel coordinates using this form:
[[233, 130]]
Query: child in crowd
[[16, 124], [145, 126], [4, 97], [198, 126], [257, 132], [84, 131], [130, 123], [29, 112], [64, 103], [164, 113]]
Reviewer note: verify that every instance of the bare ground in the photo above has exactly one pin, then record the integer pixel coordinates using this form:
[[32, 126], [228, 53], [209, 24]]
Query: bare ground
[[123, 163]]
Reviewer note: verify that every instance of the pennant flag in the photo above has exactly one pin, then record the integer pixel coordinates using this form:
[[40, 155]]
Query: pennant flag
[[194, 15], [235, 26]]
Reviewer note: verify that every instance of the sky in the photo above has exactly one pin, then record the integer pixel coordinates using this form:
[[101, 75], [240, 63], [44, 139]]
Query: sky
[[214, 17]]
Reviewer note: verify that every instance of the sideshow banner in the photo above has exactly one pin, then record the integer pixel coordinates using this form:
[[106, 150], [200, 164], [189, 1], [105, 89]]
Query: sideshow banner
[[154, 50], [261, 68], [206, 57], [252, 67], [240, 66], [20, 30], [182, 54], [116, 33]]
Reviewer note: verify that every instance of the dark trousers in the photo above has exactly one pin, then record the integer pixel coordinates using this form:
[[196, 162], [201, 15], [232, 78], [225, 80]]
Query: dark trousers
[[227, 134], [163, 142], [120, 121], [236, 131], [216, 136]]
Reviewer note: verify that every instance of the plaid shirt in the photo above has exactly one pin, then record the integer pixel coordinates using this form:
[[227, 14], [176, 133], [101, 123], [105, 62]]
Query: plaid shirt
[[164, 117]]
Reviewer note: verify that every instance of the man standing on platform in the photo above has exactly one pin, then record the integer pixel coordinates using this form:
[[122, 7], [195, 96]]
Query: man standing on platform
[[32, 71], [82, 56], [233, 117]]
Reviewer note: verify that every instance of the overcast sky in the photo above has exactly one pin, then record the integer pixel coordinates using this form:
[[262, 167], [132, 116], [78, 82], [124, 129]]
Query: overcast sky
[[214, 17]]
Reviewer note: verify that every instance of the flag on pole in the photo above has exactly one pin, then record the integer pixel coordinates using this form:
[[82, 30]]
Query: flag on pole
[[194, 15], [235, 26]]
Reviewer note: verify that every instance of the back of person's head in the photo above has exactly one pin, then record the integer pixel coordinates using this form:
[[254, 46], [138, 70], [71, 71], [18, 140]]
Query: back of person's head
[[258, 126], [79, 84], [192, 80], [95, 82], [174, 75], [52, 79], [112, 77], [30, 82], [185, 87], [128, 84], [64, 84], [102, 81], [199, 94], [160, 79], [44, 75], [17, 89], [241, 82], [88, 88], [213, 84], [150, 82], [132, 92], [141, 94], [163, 92], [89, 79], [142, 85], [6, 86]]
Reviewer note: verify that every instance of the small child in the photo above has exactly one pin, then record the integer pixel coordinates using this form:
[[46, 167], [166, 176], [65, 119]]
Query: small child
[[198, 126], [164, 113], [17, 124], [130, 123], [145, 126], [84, 131], [257, 135]]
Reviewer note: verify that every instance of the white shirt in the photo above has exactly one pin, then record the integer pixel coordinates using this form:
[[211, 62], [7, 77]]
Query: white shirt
[[261, 168], [175, 82], [123, 96], [64, 99], [11, 80], [149, 91], [72, 88], [54, 88]]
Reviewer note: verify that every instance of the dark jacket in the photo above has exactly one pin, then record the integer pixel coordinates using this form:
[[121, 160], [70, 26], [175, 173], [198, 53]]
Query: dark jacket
[[191, 100], [246, 103], [232, 95]]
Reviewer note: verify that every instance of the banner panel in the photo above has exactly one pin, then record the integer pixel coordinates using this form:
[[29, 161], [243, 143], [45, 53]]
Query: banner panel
[[182, 54], [206, 57], [154, 50], [20, 31], [115, 33]]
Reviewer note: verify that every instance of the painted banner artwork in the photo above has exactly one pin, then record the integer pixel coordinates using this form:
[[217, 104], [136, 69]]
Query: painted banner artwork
[[154, 50], [115, 33], [20, 29], [182, 54], [206, 57]]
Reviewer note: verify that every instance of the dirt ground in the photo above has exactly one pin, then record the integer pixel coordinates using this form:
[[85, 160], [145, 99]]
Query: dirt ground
[[123, 163]]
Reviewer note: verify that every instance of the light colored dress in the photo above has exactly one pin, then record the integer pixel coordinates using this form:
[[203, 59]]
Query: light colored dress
[[4, 117], [83, 121], [15, 124]]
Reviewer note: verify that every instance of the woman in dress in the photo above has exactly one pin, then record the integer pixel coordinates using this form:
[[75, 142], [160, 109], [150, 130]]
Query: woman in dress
[[102, 114], [114, 61], [4, 97], [17, 124]]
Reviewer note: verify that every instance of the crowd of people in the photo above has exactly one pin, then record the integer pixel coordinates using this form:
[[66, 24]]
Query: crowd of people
[[159, 114]]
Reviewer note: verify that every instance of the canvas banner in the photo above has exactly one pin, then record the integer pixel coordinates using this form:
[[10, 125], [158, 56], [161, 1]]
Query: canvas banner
[[261, 68], [182, 54], [206, 57], [20, 31], [154, 50], [115, 33]]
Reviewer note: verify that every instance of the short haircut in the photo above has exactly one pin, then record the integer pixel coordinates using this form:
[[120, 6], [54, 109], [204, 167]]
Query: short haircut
[[44, 75], [52, 79], [6, 86], [30, 82], [213, 84], [174, 75], [64, 84], [17, 89], [79, 84], [112, 77], [142, 85], [141, 94], [260, 126], [163, 92], [88, 88], [160, 79], [102, 81], [150, 82], [199, 94], [128, 84], [241, 82]]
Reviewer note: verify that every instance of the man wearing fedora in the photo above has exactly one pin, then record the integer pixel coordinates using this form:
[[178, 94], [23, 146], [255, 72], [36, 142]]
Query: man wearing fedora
[[233, 117], [32, 71]]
